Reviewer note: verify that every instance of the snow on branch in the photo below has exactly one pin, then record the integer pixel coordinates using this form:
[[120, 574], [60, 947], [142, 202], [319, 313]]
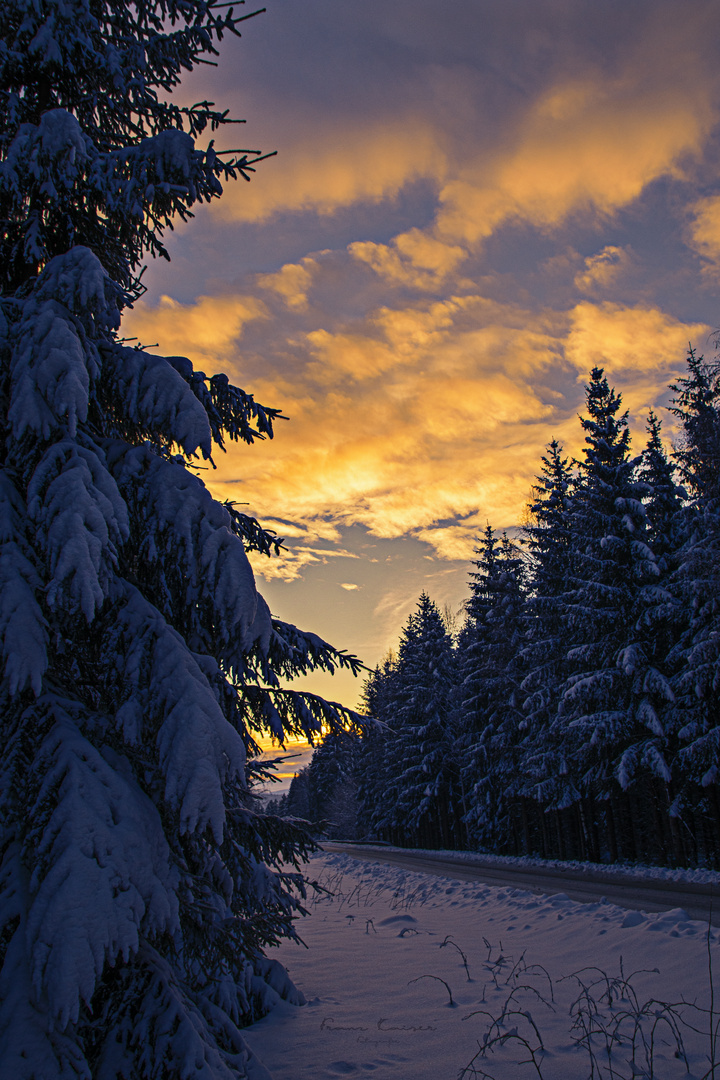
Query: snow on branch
[[156, 401], [285, 712], [23, 628], [166, 698], [254, 536], [291, 652], [197, 564], [102, 873], [50, 376], [229, 409], [81, 520]]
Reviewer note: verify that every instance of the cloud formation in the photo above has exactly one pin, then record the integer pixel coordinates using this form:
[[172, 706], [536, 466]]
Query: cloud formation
[[338, 167], [704, 230], [208, 329], [428, 419], [604, 270], [628, 340], [475, 204]]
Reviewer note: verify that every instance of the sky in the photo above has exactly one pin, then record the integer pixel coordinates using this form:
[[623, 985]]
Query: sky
[[473, 202]]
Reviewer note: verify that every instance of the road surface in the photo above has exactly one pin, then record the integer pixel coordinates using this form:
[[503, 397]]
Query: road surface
[[636, 892]]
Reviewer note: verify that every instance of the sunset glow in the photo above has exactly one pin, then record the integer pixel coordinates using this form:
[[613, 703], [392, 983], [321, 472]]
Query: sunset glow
[[472, 204]]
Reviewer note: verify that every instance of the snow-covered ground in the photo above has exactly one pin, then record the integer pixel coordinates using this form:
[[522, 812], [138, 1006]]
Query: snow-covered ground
[[389, 994]]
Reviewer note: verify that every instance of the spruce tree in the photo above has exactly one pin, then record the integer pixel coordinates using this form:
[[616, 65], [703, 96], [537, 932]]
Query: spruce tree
[[405, 766], [664, 500], [601, 720], [697, 653], [492, 722], [648, 766], [375, 762], [331, 776], [423, 793], [417, 713], [138, 885], [547, 538]]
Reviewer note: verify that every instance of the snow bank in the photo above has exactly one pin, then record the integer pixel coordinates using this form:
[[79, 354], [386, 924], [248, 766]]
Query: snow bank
[[407, 974], [630, 871]]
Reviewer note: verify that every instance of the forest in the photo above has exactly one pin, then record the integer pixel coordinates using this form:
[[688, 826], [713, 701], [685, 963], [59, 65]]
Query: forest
[[575, 713], [143, 886]]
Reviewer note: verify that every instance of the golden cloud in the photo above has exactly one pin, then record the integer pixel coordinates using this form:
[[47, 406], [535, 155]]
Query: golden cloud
[[440, 419], [414, 258], [704, 230], [593, 143], [603, 269], [589, 145], [207, 329], [290, 563], [291, 282], [627, 340], [415, 415], [339, 167]]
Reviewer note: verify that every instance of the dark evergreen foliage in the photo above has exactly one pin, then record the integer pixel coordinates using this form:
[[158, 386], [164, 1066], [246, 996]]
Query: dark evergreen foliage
[[697, 654], [583, 717], [490, 699], [139, 886], [407, 774], [610, 562]]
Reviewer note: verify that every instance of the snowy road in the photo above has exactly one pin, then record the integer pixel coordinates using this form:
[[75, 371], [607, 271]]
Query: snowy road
[[700, 901]]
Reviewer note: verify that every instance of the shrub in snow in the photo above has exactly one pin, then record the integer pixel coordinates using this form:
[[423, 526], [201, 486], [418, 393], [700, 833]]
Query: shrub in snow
[[138, 887]]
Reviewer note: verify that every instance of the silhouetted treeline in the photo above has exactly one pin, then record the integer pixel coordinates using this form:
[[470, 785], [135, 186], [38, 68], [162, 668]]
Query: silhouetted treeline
[[577, 713], [325, 791]]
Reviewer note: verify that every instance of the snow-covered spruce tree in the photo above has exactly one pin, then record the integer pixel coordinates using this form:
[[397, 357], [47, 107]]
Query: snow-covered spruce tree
[[606, 714], [662, 620], [375, 761], [664, 502], [492, 723], [138, 889], [547, 539], [331, 776], [697, 653], [424, 790]]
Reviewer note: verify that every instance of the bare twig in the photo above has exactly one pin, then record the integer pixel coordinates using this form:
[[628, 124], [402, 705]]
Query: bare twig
[[451, 1004], [449, 941]]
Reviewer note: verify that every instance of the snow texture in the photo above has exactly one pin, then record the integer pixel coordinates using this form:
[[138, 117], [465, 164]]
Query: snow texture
[[158, 398], [402, 934], [200, 751]]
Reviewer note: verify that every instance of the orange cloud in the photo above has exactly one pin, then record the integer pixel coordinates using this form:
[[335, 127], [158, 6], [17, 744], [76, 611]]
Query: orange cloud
[[420, 413], [628, 340], [603, 269], [290, 563], [414, 258], [704, 230], [291, 282], [417, 438], [207, 329], [586, 145], [339, 167], [593, 143]]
